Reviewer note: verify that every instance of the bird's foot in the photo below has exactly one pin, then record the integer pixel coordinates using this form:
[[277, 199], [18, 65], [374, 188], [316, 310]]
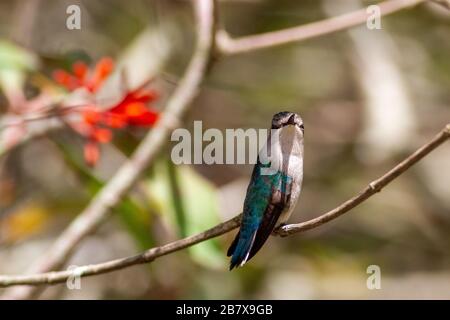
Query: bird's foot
[[277, 231]]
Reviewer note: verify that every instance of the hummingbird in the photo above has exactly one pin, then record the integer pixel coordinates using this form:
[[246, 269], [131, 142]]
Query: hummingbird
[[274, 187]]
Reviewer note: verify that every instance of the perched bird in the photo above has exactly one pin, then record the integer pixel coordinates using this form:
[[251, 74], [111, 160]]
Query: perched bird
[[274, 187]]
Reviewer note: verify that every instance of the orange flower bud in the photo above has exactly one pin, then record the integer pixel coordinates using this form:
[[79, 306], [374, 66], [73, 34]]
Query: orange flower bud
[[102, 135], [80, 69], [91, 153], [92, 116]]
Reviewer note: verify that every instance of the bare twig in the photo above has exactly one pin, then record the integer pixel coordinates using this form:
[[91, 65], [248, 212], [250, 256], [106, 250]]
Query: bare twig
[[229, 46], [128, 174], [38, 129], [444, 3], [145, 257], [226, 45], [154, 253], [373, 187], [49, 117]]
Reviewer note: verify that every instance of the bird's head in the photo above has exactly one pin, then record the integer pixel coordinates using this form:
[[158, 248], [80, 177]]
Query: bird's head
[[288, 121]]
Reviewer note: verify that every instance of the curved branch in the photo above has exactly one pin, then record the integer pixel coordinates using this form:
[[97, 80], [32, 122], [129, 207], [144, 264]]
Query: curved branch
[[44, 127], [94, 214], [129, 172], [154, 253], [373, 187], [444, 3], [229, 46]]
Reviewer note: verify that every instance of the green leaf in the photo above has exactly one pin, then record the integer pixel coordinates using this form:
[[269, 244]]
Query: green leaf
[[14, 63], [135, 218], [16, 58], [190, 202]]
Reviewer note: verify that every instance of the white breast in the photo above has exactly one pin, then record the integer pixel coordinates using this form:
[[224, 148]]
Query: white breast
[[286, 154], [295, 170]]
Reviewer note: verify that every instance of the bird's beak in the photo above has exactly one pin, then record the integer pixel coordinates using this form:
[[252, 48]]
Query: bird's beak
[[291, 120]]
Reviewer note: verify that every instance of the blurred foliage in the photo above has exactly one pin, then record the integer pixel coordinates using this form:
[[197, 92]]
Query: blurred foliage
[[405, 229], [135, 217], [14, 63], [24, 222], [190, 203]]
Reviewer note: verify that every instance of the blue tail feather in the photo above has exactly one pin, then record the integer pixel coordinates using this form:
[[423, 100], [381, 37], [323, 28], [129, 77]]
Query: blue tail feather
[[242, 246]]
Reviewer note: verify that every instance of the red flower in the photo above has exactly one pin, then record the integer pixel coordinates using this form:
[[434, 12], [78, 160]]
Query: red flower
[[83, 77], [97, 123], [132, 110]]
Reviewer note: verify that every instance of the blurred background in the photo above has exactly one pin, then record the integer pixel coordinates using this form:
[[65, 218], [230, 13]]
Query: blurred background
[[368, 98]]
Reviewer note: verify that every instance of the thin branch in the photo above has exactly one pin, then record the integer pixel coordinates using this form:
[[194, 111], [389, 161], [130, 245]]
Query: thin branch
[[230, 46], [40, 123], [154, 253], [34, 131], [128, 174], [373, 187], [444, 3], [53, 111]]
